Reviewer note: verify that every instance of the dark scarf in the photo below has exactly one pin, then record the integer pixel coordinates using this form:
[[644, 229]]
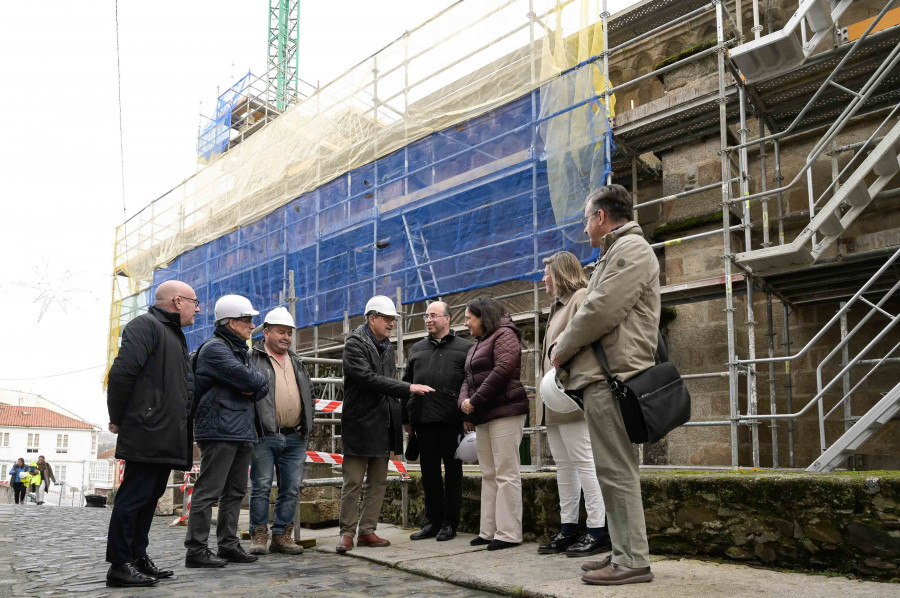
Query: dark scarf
[[381, 346]]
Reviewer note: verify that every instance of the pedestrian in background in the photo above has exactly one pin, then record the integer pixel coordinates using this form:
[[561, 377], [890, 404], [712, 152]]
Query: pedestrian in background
[[18, 473], [437, 360], [149, 400], [46, 472], [228, 387], [621, 311], [567, 433], [370, 423], [286, 420], [493, 396]]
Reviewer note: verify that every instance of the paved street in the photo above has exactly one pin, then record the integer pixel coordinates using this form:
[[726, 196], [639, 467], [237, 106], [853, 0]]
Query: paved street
[[67, 560]]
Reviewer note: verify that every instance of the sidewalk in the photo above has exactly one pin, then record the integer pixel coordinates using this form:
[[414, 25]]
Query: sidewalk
[[521, 571]]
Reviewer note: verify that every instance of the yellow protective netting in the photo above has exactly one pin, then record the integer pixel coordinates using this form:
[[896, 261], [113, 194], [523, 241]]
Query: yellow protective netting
[[465, 61]]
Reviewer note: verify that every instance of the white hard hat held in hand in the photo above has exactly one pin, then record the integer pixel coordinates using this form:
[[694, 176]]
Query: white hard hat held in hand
[[381, 304], [279, 316], [554, 395], [467, 451], [234, 306]]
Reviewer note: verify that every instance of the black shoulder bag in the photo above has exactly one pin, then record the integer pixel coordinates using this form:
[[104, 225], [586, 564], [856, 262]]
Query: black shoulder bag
[[654, 402]]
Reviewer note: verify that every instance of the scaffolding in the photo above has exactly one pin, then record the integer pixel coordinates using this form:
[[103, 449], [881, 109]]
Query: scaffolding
[[423, 183]]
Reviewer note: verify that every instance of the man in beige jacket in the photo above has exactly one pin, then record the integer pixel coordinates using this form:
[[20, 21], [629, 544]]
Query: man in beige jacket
[[621, 310]]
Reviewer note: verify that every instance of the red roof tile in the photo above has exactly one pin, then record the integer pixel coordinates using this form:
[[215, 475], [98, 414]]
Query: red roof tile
[[38, 417], [106, 454]]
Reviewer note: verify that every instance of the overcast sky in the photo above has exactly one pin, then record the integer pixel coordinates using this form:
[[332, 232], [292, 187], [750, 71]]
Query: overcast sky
[[60, 170]]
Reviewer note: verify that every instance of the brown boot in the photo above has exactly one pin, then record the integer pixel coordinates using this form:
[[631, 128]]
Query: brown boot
[[344, 544], [259, 540], [285, 542], [372, 540], [616, 575]]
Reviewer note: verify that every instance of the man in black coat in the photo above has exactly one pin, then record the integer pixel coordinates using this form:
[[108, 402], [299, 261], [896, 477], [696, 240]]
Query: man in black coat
[[149, 398], [225, 425], [439, 361], [371, 421]]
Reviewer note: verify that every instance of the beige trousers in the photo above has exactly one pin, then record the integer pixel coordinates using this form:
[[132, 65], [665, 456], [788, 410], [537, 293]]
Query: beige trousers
[[619, 476], [501, 484], [374, 469]]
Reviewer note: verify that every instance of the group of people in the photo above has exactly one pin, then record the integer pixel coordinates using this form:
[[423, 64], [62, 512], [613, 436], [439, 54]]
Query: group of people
[[34, 477], [253, 407]]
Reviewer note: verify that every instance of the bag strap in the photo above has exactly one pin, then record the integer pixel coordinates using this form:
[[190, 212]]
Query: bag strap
[[662, 355]]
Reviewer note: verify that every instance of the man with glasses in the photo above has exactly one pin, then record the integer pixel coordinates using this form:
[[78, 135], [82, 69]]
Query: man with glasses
[[371, 422], [149, 398], [225, 426], [438, 360]]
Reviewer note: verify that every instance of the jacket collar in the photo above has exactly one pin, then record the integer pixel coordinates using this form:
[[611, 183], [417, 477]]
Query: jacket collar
[[564, 299], [629, 228], [260, 346], [231, 338], [166, 317], [444, 339]]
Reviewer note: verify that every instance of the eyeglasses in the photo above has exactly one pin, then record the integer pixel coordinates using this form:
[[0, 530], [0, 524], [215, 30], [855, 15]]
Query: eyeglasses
[[587, 218], [427, 317], [196, 301], [245, 319], [388, 319]]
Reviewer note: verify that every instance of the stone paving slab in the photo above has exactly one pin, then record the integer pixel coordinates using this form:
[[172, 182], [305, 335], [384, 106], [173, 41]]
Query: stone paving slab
[[520, 571], [65, 557]]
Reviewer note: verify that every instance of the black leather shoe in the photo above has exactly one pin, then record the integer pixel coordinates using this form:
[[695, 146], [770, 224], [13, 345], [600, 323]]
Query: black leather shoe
[[448, 532], [204, 560], [237, 555], [146, 566], [127, 576], [558, 543], [587, 545], [500, 545], [478, 541], [428, 531]]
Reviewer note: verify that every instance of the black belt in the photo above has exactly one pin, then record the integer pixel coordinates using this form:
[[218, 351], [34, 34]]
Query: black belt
[[287, 431]]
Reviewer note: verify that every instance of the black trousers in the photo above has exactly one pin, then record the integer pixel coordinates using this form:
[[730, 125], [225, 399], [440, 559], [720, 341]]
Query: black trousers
[[19, 492], [443, 498], [132, 515]]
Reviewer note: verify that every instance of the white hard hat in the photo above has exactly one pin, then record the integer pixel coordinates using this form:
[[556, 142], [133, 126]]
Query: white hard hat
[[467, 451], [554, 395], [234, 306], [280, 316], [382, 305]]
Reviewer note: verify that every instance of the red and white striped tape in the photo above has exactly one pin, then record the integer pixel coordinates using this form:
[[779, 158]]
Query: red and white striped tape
[[4, 483], [329, 406]]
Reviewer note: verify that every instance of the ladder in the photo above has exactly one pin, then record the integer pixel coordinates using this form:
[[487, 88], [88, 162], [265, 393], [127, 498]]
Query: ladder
[[419, 249], [834, 217], [789, 47], [881, 413]]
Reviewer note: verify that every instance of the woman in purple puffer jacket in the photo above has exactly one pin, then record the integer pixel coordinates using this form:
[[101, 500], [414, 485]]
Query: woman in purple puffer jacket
[[493, 398]]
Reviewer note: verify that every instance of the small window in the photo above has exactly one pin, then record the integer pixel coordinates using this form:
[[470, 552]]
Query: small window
[[34, 442], [61, 473], [62, 443], [3, 472], [93, 444], [4, 439]]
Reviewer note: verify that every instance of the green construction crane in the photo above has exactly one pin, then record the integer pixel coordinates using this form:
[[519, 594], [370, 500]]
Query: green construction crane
[[284, 58]]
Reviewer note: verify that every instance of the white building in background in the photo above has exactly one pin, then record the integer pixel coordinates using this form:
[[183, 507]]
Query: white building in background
[[34, 426]]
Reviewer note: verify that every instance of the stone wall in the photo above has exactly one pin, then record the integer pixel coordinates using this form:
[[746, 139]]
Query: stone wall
[[843, 522]]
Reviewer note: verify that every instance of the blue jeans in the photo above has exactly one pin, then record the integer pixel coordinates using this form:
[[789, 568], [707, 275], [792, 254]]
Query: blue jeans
[[286, 456]]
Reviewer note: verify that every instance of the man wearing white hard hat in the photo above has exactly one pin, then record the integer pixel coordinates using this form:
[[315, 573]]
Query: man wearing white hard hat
[[228, 387], [371, 421], [286, 419]]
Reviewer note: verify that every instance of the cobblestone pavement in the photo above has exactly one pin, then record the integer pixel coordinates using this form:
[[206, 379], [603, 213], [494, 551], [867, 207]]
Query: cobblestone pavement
[[59, 551]]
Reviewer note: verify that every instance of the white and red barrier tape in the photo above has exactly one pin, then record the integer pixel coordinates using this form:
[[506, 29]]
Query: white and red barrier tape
[[329, 406], [311, 457]]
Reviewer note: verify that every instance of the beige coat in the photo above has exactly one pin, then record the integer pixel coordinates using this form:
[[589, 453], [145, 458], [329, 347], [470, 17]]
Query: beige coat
[[561, 312], [621, 308]]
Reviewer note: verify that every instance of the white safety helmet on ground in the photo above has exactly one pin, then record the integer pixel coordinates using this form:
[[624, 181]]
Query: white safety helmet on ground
[[382, 305], [233, 306], [279, 316], [554, 395], [467, 451]]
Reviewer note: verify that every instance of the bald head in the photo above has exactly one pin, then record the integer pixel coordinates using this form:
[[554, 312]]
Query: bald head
[[178, 297], [437, 319]]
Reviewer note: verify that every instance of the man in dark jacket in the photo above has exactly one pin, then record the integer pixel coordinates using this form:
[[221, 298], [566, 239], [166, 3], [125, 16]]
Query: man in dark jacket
[[371, 421], [286, 419], [439, 361], [225, 428], [149, 397]]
